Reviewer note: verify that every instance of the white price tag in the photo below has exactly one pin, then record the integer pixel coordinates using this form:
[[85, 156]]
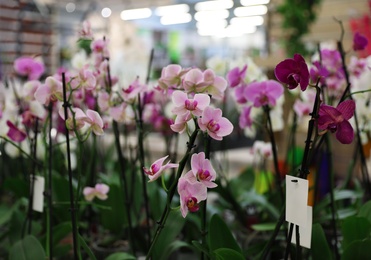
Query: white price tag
[[296, 200], [305, 233], [38, 194]]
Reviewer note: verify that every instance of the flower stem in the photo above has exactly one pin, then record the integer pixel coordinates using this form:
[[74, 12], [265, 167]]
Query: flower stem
[[274, 150], [49, 194], [204, 230], [332, 200], [66, 104], [364, 169], [142, 164], [123, 183], [172, 189]]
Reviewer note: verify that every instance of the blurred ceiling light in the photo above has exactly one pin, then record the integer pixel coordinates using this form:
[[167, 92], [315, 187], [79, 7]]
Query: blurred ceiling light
[[70, 7], [171, 9], [106, 12], [206, 25], [254, 2], [250, 20], [176, 19], [236, 31], [214, 5], [211, 15], [133, 14], [250, 10]]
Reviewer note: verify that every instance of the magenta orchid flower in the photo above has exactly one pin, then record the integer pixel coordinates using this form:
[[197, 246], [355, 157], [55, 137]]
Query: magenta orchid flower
[[245, 119], [302, 108], [293, 72], [236, 76], [14, 133], [239, 93], [359, 42], [336, 120], [29, 67], [191, 193], [158, 167], [263, 93], [186, 106], [263, 149], [52, 91], [214, 124], [100, 191], [203, 170]]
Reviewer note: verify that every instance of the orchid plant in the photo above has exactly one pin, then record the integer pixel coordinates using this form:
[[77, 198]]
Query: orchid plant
[[89, 136]]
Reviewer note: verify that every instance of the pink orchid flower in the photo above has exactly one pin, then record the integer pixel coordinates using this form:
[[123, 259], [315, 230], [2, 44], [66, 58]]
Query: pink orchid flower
[[263, 93], [131, 93], [186, 106], [157, 168], [263, 149], [236, 76], [216, 85], [85, 79], [194, 82], [100, 191], [336, 120], [302, 108], [215, 125], [29, 67], [52, 91], [86, 32], [293, 72], [75, 122], [14, 133], [95, 121], [103, 101], [180, 123], [359, 42], [203, 170], [191, 193], [171, 76]]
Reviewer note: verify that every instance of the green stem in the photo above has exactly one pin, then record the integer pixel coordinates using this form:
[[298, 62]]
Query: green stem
[[171, 192]]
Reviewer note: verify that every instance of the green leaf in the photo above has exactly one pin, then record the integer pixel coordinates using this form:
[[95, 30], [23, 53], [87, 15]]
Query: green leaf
[[200, 247], [358, 250], [264, 226], [244, 181], [227, 254], [355, 228], [220, 235], [251, 197], [60, 231], [365, 211], [86, 248], [120, 256], [338, 195], [320, 248], [28, 248], [174, 246], [17, 186]]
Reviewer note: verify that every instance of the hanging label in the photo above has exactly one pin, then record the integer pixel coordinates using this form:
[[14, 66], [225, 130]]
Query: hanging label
[[305, 232], [38, 194], [296, 200]]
